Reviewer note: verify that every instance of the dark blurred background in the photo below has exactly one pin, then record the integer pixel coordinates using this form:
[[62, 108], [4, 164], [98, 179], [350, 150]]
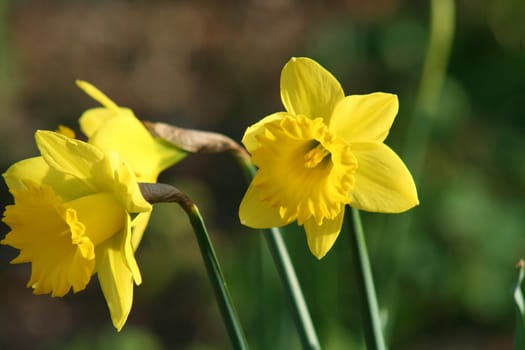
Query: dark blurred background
[[444, 271]]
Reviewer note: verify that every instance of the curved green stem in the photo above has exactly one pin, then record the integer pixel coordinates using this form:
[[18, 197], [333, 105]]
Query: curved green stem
[[284, 266], [156, 193]]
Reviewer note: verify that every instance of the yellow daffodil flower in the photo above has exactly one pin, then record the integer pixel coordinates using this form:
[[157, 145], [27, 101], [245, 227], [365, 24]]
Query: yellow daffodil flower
[[71, 219], [324, 152], [114, 128]]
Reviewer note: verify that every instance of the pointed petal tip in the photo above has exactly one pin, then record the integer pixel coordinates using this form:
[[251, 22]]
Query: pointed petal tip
[[81, 83], [309, 89], [319, 254], [42, 135], [119, 325], [255, 213], [321, 238], [96, 94]]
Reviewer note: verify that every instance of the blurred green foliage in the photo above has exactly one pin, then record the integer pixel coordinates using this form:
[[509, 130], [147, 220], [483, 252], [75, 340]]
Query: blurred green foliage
[[444, 271]]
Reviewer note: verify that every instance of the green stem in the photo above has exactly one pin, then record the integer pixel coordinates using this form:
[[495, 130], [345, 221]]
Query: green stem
[[365, 283], [284, 266], [286, 271], [156, 193]]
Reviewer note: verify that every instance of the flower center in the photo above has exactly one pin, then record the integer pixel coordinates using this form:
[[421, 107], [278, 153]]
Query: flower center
[[315, 156], [304, 170]]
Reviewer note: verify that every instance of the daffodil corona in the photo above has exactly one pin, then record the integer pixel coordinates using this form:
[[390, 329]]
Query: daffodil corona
[[324, 152], [71, 219]]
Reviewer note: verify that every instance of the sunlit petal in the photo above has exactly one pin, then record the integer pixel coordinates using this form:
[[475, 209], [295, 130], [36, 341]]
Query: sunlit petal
[[97, 95], [64, 130], [250, 135], [382, 181], [67, 155], [125, 185], [115, 279], [257, 214], [39, 172], [322, 237], [94, 118], [125, 134], [309, 89], [129, 254], [138, 226], [364, 118]]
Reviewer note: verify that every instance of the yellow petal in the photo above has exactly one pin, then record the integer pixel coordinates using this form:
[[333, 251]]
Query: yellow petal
[[115, 280], [124, 184], [321, 238], [96, 94], [94, 118], [64, 130], [34, 168], [125, 134], [39, 172], [138, 226], [129, 254], [382, 181], [309, 89], [257, 214], [250, 135], [364, 118], [88, 165], [66, 155]]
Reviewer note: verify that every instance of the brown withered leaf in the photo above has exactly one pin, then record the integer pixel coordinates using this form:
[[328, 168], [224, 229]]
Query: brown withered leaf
[[191, 140]]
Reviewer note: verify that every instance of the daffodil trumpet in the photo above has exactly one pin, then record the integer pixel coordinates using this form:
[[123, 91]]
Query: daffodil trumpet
[[71, 218]]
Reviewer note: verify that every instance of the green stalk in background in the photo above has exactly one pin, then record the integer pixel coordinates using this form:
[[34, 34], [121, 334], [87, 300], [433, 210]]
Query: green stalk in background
[[162, 193], [432, 79], [277, 247], [442, 25], [372, 327]]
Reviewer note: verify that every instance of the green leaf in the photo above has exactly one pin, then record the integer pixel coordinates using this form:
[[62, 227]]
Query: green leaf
[[519, 336]]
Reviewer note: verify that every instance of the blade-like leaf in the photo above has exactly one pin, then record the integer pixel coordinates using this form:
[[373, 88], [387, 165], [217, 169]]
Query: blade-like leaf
[[519, 300]]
